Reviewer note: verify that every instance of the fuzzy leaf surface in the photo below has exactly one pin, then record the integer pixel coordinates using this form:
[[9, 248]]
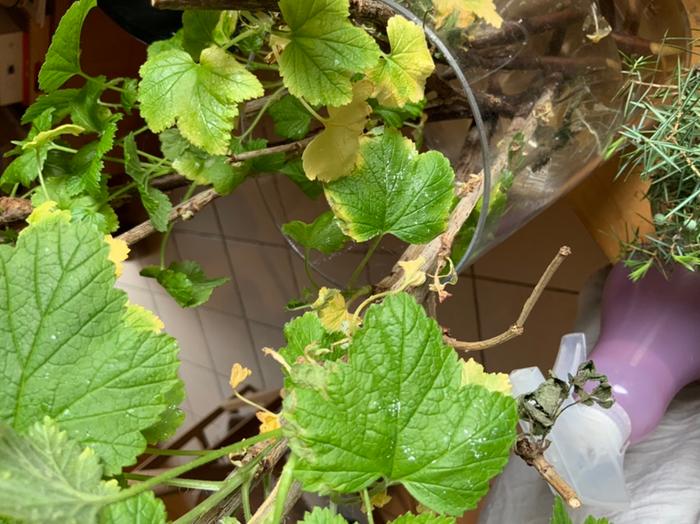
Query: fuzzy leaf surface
[[71, 351], [397, 410]]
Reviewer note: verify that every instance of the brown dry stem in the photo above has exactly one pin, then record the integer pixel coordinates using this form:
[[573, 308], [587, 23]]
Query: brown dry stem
[[533, 455], [518, 328]]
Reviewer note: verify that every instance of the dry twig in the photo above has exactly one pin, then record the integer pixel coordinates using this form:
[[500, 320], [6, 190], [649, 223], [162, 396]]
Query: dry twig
[[518, 328]]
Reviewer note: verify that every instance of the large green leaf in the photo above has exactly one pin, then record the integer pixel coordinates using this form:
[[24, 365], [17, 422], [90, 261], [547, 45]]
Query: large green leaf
[[394, 190], [200, 97], [47, 477], [400, 76], [398, 410], [323, 51], [71, 350], [323, 234], [62, 60]]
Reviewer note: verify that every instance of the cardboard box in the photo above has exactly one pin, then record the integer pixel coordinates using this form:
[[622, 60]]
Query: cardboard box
[[11, 60]]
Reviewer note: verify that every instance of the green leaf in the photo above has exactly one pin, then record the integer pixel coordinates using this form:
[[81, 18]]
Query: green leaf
[[294, 170], [185, 281], [60, 101], [394, 190], [322, 516], [171, 419], [400, 76], [199, 166], [83, 208], [49, 478], [396, 117], [333, 152], [397, 411], [306, 335], [86, 111], [129, 94], [88, 163], [559, 514], [62, 60], [323, 234], [145, 508], [202, 28], [291, 118], [423, 518], [26, 167], [155, 202], [324, 50], [69, 349], [201, 98]]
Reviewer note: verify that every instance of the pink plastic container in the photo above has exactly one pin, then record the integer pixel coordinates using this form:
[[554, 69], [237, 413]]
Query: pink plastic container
[[649, 345]]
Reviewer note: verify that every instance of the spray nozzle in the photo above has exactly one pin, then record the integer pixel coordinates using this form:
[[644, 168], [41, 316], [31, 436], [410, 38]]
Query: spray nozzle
[[587, 442]]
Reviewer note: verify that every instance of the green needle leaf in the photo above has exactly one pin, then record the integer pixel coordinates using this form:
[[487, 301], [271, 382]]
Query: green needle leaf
[[323, 234], [70, 348], [400, 76], [63, 56], [200, 97], [323, 51], [394, 190], [185, 281], [397, 410]]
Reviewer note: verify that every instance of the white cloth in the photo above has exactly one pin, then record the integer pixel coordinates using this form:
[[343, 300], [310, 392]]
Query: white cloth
[[662, 472]]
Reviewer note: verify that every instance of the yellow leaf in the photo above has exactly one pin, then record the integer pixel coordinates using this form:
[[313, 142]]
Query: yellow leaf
[[333, 153], [238, 375], [381, 499], [473, 374], [400, 76], [332, 311], [268, 421], [464, 12], [118, 253], [141, 318], [45, 210], [413, 276]]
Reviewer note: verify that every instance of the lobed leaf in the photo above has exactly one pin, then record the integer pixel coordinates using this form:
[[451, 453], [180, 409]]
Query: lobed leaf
[[400, 76], [397, 411], [185, 281], [323, 51], [323, 234], [393, 189], [70, 348]]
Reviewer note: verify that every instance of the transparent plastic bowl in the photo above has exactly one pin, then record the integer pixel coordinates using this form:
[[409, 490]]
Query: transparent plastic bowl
[[493, 78]]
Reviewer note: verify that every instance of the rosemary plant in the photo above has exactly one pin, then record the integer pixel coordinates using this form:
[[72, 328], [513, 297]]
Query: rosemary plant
[[663, 139]]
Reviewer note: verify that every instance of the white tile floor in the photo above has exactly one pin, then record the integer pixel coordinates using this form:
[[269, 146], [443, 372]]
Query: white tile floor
[[238, 239]]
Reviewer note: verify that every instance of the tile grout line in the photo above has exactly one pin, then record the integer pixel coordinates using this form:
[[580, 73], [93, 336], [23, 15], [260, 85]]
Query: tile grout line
[[297, 284], [222, 394], [241, 302]]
